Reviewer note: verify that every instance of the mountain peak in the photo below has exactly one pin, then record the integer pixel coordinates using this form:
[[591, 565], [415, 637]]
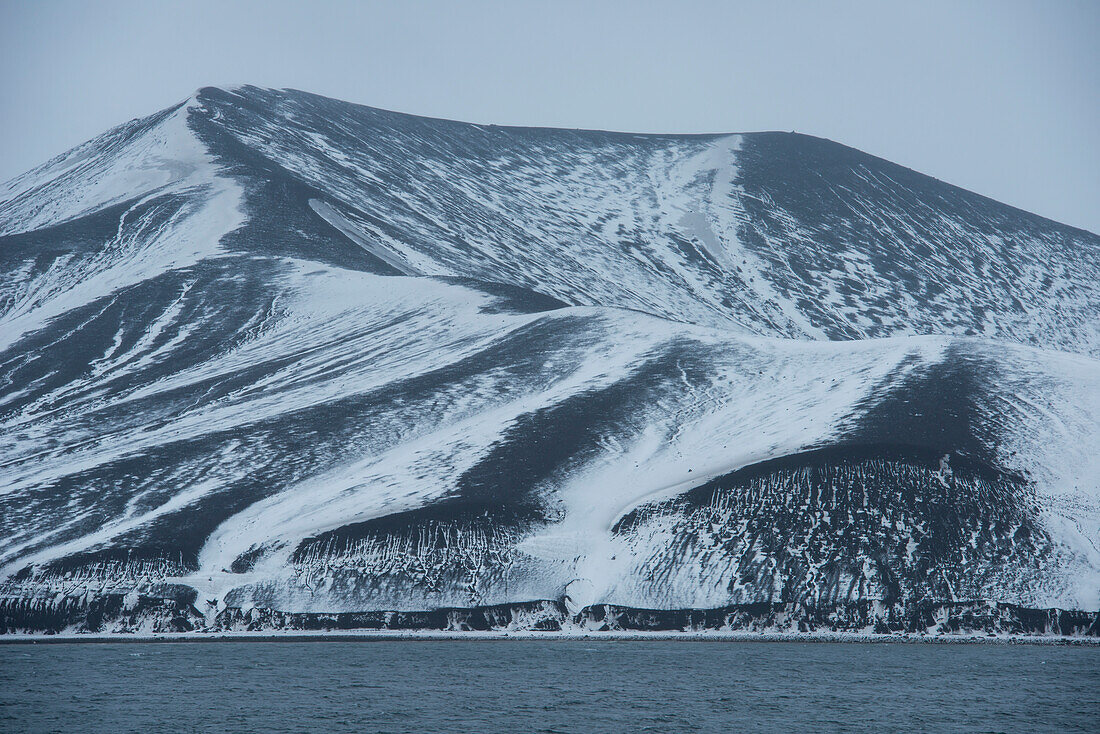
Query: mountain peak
[[271, 356]]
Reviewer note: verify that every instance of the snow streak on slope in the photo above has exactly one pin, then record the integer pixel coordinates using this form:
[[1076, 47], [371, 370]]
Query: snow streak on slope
[[782, 234], [275, 351], [150, 180]]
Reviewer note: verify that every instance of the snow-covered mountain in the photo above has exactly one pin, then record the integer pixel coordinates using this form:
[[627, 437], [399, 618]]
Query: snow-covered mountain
[[270, 359]]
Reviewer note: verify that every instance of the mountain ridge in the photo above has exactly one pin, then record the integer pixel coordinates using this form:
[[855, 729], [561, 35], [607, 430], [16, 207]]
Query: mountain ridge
[[273, 351], [234, 88]]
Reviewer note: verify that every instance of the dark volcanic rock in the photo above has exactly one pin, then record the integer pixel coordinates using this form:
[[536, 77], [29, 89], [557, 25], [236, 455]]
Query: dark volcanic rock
[[272, 352]]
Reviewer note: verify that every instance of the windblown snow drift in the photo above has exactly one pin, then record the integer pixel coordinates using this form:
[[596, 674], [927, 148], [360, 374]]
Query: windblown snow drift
[[274, 361]]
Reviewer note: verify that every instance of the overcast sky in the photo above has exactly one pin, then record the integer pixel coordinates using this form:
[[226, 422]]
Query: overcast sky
[[999, 97]]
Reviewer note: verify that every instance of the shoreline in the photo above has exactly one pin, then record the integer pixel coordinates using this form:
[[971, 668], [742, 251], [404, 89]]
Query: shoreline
[[494, 636]]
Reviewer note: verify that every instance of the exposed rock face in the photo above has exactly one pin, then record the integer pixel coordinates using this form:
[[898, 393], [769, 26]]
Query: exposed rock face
[[270, 360], [162, 616], [837, 527]]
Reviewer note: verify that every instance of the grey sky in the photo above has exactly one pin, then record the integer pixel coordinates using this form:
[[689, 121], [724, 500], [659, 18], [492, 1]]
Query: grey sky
[[999, 97]]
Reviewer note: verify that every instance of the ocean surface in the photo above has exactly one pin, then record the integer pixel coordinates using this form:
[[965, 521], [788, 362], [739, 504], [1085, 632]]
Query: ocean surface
[[546, 686]]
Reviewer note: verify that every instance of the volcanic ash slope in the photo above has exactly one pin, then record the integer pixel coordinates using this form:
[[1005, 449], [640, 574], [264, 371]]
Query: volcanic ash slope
[[275, 361]]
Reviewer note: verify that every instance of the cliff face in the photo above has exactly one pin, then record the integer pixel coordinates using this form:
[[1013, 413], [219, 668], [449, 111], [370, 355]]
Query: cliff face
[[274, 357]]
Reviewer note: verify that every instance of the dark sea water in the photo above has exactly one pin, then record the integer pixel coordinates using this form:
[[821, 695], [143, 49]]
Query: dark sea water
[[546, 686]]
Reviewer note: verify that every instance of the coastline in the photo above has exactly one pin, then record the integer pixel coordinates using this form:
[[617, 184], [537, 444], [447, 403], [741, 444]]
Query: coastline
[[592, 636]]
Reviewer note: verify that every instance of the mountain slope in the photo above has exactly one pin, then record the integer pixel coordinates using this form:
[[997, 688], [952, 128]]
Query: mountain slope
[[782, 233], [268, 351]]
